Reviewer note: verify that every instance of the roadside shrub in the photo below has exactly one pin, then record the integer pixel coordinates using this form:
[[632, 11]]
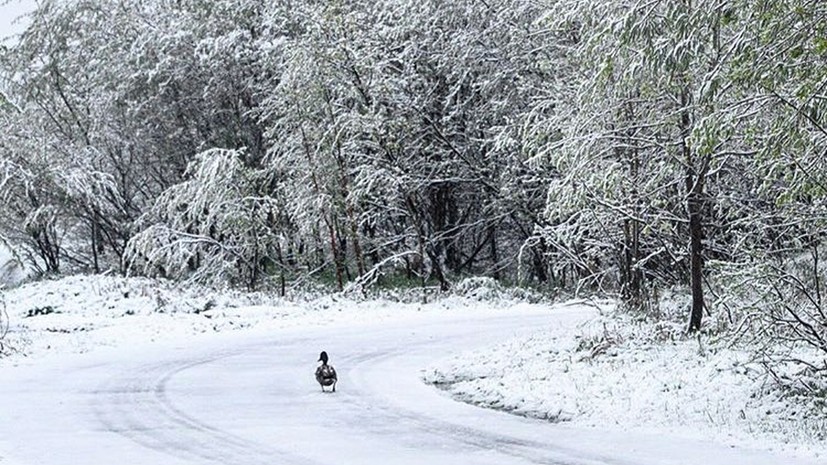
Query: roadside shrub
[[779, 311]]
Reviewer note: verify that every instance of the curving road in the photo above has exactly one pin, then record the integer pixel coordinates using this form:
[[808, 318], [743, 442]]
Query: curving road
[[250, 398]]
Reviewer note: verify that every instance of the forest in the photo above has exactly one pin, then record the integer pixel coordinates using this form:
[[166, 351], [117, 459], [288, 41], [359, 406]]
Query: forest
[[575, 147]]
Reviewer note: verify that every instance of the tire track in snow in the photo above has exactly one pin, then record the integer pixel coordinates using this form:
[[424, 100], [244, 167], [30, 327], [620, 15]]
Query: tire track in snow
[[138, 407]]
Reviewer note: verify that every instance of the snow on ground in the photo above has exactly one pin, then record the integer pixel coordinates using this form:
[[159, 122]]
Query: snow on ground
[[80, 313], [613, 373], [620, 374]]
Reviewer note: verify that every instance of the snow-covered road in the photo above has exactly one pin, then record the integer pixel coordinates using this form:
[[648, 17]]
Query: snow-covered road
[[250, 398]]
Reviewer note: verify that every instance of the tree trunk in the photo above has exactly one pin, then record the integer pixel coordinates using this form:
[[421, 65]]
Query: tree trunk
[[357, 247], [95, 236], [694, 204], [436, 266], [696, 172], [495, 256]]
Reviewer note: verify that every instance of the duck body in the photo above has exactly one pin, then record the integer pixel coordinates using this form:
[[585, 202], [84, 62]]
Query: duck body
[[325, 373]]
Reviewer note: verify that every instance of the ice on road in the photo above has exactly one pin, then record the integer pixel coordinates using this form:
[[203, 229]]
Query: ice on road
[[250, 398]]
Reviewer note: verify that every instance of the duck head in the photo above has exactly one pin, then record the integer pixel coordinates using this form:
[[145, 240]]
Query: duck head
[[323, 357]]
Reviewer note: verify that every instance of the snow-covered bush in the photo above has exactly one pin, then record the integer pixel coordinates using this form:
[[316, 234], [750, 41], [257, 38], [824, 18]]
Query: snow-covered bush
[[597, 338], [479, 288], [214, 227], [483, 288], [779, 311]]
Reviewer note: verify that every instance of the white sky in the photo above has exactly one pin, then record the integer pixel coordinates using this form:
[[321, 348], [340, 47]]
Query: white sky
[[10, 10]]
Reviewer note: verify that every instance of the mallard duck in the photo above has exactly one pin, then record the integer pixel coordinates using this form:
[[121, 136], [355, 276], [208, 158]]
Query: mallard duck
[[325, 373]]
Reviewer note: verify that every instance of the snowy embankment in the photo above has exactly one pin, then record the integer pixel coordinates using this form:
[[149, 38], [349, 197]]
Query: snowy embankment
[[618, 374]]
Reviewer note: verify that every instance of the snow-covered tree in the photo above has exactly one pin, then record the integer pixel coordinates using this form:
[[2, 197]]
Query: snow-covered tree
[[776, 273], [389, 131], [643, 128], [214, 227], [116, 98]]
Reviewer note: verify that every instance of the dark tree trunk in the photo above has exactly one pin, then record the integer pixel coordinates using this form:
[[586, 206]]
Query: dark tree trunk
[[696, 172], [538, 254], [495, 256], [95, 239], [436, 266], [695, 253]]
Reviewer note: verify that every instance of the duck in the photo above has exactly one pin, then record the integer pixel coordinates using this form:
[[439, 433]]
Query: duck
[[325, 373]]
